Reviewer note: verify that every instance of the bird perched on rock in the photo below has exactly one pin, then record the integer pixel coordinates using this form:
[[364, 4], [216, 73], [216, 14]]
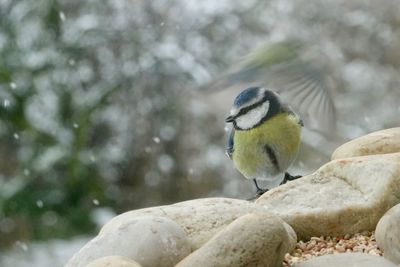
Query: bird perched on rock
[[265, 137]]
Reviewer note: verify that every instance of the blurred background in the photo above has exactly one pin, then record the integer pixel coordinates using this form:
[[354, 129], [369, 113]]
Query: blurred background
[[103, 107]]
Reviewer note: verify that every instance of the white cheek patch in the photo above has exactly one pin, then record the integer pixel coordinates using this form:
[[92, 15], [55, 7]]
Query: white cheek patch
[[253, 117]]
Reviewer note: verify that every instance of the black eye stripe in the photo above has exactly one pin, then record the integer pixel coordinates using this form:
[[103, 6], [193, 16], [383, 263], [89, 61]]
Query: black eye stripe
[[247, 109]]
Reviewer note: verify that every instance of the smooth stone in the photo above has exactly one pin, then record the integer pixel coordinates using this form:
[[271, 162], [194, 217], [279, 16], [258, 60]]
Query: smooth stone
[[344, 196], [387, 234], [148, 240], [251, 240], [113, 261], [200, 218], [380, 142], [347, 260]]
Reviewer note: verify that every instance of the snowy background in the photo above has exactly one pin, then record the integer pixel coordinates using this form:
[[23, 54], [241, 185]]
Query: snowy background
[[101, 111]]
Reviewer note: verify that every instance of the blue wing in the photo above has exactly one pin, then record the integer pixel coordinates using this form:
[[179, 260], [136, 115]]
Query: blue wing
[[230, 144]]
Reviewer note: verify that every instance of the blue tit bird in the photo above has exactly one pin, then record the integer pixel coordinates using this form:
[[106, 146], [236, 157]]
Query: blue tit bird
[[265, 137], [296, 71]]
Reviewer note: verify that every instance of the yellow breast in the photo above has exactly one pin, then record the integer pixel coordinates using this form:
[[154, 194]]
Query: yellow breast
[[281, 133]]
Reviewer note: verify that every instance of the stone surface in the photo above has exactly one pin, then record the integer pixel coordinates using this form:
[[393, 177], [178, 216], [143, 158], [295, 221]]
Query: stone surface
[[344, 196], [200, 218], [380, 142], [113, 261], [387, 234], [150, 241], [251, 240], [346, 260]]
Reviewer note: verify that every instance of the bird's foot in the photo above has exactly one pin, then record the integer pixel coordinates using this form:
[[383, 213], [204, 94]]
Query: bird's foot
[[289, 177], [260, 191]]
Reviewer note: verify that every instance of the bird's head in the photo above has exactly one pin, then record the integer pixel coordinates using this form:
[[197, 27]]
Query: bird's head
[[253, 106]]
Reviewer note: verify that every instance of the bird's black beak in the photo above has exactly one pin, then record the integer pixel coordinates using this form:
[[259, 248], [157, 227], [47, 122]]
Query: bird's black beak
[[230, 119]]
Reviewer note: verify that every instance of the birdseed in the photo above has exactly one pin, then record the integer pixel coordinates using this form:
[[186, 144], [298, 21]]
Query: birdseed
[[317, 246]]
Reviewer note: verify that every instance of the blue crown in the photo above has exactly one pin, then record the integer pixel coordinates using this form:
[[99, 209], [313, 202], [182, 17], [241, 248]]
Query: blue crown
[[245, 96]]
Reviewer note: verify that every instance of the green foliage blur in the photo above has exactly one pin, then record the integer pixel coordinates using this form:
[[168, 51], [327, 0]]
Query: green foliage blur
[[89, 117], [52, 197]]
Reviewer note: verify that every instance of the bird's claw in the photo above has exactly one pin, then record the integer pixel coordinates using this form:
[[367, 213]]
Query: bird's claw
[[289, 177], [260, 192]]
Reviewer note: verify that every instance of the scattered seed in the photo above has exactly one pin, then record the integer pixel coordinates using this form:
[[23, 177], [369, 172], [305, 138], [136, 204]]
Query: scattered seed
[[317, 246]]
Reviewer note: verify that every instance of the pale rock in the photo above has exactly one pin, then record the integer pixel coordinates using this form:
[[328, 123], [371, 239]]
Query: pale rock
[[387, 234], [200, 218], [251, 240], [113, 261], [148, 240], [291, 235], [344, 196], [380, 142], [347, 260]]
